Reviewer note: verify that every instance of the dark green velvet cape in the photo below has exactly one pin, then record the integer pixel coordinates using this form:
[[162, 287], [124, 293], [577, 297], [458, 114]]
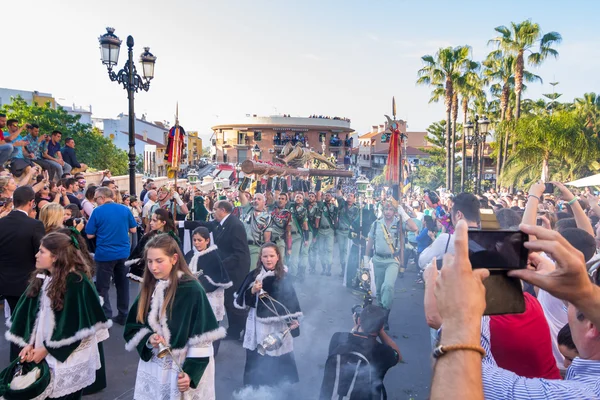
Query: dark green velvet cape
[[81, 317], [190, 322]]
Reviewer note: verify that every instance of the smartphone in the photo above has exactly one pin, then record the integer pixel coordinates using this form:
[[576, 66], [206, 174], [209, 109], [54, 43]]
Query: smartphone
[[549, 188], [500, 251]]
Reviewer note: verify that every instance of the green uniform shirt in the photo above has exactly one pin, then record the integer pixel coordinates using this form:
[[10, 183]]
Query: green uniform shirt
[[256, 225], [299, 216], [313, 214], [346, 214], [328, 214], [380, 245]]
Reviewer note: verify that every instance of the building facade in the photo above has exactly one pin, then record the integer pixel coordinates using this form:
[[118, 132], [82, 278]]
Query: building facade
[[194, 148], [29, 96], [373, 148], [234, 142]]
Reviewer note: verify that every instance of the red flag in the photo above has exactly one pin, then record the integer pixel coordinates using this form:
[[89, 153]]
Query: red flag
[[394, 155]]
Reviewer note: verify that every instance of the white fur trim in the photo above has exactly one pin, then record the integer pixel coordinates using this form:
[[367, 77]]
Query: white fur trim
[[134, 277], [236, 305], [101, 300], [208, 337], [280, 317], [221, 285], [135, 340], [15, 339], [79, 335], [129, 263], [159, 324], [197, 254]]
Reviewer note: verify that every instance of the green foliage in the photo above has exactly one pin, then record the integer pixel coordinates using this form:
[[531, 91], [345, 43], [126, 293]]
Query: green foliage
[[92, 148], [206, 151], [559, 141]]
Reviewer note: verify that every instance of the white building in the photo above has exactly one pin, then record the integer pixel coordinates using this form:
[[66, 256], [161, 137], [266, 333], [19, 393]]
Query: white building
[[85, 113], [147, 133], [29, 96]]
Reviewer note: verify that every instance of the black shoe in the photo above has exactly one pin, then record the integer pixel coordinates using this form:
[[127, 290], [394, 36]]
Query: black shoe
[[386, 325], [121, 319]]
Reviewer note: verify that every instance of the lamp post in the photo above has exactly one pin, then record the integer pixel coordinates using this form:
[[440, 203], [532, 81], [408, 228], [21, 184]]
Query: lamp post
[[467, 131], [477, 134], [110, 46], [483, 123]]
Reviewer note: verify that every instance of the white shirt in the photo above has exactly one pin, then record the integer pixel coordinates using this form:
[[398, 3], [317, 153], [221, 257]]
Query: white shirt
[[555, 312], [147, 207], [224, 218], [437, 249]]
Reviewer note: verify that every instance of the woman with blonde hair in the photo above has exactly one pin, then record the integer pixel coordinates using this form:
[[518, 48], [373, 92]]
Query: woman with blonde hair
[[52, 215], [7, 186]]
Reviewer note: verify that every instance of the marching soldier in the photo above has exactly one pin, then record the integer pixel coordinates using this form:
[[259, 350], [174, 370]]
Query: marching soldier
[[257, 221], [314, 219], [281, 229], [326, 235], [384, 246], [347, 213], [301, 238]]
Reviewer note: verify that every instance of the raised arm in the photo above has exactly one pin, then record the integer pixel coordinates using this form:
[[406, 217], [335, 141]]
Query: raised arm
[[583, 222]]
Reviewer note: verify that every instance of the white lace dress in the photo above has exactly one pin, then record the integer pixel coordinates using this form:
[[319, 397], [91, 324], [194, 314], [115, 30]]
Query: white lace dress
[[79, 370], [157, 378]]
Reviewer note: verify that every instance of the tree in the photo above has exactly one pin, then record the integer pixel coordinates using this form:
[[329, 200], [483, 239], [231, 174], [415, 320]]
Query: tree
[[469, 86], [519, 39], [499, 67], [588, 107], [92, 148], [206, 151], [556, 145], [443, 70]]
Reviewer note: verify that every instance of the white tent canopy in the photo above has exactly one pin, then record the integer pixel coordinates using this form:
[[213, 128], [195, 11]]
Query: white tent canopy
[[593, 180]]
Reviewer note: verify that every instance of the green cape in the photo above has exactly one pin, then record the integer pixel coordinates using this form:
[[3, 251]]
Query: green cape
[[80, 318], [190, 322]]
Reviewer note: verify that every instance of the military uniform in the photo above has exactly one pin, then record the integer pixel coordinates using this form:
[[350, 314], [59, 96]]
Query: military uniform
[[256, 225], [298, 259], [346, 216], [326, 235], [280, 218], [385, 263], [310, 253]]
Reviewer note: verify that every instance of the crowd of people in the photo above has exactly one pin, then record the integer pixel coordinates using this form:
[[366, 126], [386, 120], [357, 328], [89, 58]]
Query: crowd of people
[[234, 258], [328, 117]]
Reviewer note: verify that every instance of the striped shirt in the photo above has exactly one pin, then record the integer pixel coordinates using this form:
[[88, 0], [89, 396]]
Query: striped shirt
[[582, 380]]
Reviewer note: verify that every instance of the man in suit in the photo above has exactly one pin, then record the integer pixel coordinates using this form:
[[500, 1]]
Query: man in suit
[[20, 238], [230, 237]]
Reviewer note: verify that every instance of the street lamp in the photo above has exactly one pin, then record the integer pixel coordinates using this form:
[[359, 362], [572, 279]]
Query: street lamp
[[483, 124], [110, 46], [467, 132]]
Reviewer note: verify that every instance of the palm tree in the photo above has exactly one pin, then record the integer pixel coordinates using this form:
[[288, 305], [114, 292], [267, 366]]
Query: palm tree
[[588, 106], [551, 144], [500, 68], [469, 86], [444, 69], [519, 39]]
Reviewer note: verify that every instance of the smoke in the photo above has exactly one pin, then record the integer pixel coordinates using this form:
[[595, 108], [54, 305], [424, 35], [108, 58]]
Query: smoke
[[282, 391]]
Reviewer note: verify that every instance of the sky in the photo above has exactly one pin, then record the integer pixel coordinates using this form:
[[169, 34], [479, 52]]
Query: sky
[[224, 59]]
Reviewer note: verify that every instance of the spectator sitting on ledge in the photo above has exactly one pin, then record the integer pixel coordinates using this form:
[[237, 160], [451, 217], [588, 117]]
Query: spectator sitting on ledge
[[68, 155]]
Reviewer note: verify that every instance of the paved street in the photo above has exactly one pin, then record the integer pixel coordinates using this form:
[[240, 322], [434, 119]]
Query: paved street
[[327, 309]]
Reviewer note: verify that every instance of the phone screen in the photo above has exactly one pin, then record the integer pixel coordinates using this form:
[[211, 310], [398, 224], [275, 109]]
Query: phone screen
[[498, 249], [549, 188]]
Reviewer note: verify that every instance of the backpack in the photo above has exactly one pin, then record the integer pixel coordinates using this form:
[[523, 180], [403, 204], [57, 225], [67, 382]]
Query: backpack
[[348, 376]]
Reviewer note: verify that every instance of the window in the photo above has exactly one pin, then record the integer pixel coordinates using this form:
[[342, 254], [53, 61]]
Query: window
[[257, 136]]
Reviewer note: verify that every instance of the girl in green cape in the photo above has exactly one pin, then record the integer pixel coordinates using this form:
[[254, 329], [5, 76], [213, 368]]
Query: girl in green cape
[[172, 311], [59, 318]]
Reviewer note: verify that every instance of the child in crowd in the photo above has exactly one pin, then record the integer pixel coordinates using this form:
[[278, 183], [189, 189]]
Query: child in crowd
[[204, 262], [59, 318], [273, 307], [172, 311]]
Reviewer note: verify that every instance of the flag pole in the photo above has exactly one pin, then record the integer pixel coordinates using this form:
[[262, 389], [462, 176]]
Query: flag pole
[[175, 160]]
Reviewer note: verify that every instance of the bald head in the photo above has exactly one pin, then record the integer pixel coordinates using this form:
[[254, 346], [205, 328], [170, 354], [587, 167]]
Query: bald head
[[152, 195]]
